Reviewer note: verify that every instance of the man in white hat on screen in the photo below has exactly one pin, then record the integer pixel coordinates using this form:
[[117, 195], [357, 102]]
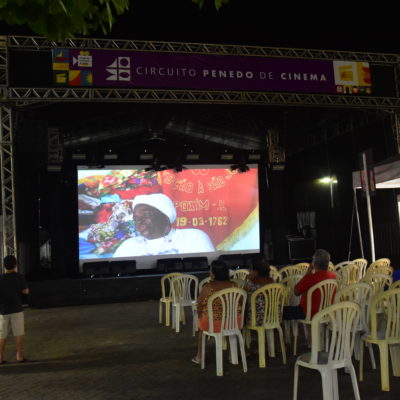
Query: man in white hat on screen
[[154, 215]]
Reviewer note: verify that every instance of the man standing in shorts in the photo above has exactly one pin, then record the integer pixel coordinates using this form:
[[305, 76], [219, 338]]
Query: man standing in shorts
[[12, 286]]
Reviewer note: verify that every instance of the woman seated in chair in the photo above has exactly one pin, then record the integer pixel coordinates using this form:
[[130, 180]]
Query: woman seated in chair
[[258, 277], [219, 273]]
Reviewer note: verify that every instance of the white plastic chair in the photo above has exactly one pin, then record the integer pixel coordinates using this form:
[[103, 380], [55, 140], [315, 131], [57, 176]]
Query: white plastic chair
[[273, 296], [239, 274], [232, 303], [275, 274], [184, 294], [338, 266], [350, 274], [326, 289], [203, 282], [362, 263], [343, 320], [379, 282], [166, 299], [303, 267], [387, 337], [291, 270], [291, 300], [380, 269], [360, 293], [395, 285]]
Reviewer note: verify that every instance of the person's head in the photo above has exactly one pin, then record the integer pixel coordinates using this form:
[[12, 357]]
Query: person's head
[[153, 214], [10, 262], [219, 271], [259, 267], [321, 259]]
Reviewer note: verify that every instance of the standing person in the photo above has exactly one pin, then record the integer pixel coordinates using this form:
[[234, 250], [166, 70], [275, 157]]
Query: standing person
[[12, 286]]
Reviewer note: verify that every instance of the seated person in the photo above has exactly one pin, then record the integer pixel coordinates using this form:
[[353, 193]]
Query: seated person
[[258, 277], [317, 272], [219, 273], [154, 215]]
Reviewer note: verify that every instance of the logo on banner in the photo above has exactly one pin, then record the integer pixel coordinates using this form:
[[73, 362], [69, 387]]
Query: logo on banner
[[119, 69]]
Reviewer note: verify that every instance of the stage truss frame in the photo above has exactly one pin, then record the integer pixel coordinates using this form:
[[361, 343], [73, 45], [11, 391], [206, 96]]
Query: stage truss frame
[[13, 98]]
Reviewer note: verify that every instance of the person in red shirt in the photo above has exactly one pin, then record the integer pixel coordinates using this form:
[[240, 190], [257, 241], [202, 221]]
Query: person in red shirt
[[317, 272]]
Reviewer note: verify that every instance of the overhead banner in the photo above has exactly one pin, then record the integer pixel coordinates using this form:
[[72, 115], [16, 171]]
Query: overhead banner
[[128, 69]]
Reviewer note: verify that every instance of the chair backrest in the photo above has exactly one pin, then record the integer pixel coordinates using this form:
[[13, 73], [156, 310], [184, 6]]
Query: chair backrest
[[331, 266], [203, 282], [380, 269], [388, 303], [395, 285], [343, 322], [360, 293], [291, 270], [340, 265], [383, 261], [239, 274], [362, 262], [350, 274], [166, 279], [231, 302], [303, 267], [184, 289], [290, 282], [378, 282], [275, 274], [273, 297], [326, 290]]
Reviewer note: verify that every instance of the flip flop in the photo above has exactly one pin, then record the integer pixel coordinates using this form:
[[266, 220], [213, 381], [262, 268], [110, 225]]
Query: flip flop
[[196, 361]]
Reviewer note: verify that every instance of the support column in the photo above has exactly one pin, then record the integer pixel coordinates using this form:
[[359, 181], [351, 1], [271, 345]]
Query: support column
[[9, 240]]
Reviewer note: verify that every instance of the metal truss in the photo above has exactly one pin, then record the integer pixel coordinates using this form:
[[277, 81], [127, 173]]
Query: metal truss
[[23, 96], [40, 43], [9, 242], [54, 146]]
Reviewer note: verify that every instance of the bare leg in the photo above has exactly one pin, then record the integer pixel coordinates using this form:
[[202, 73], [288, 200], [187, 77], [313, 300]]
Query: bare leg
[[19, 342], [2, 347], [197, 357]]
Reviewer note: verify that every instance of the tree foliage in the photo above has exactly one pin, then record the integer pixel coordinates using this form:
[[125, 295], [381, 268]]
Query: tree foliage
[[61, 19]]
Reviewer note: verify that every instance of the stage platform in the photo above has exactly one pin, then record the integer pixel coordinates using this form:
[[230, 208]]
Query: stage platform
[[69, 292]]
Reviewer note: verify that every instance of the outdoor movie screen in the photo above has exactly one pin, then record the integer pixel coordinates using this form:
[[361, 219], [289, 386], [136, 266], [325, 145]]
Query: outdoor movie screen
[[128, 212]]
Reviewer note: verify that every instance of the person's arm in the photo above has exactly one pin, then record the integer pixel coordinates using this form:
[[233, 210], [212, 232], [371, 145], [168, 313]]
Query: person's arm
[[205, 292], [302, 285]]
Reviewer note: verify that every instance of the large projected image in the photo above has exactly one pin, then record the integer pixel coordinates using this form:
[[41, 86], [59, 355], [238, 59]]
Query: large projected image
[[128, 212]]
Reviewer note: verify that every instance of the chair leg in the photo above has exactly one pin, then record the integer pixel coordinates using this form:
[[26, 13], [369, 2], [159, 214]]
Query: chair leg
[[361, 365], [395, 358], [247, 337], [271, 342], [354, 381], [295, 336], [357, 346], [218, 355], [283, 346], [242, 352], [261, 347], [160, 307], [334, 383], [177, 318], [203, 349], [167, 314], [296, 381], [371, 355], [233, 349], [384, 361], [326, 385]]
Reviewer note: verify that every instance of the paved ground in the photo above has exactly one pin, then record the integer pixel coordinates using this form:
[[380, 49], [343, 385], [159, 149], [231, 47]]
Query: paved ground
[[119, 351]]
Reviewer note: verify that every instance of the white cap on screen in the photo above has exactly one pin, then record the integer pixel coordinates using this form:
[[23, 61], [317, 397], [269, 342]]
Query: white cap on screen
[[157, 200]]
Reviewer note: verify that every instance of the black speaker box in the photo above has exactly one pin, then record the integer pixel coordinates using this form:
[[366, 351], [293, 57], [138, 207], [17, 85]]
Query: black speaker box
[[123, 268], [96, 269]]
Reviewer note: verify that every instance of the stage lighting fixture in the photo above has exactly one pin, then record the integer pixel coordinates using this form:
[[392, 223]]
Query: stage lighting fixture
[[78, 156], [110, 156], [254, 157], [146, 156], [192, 156], [226, 156], [278, 167], [54, 168]]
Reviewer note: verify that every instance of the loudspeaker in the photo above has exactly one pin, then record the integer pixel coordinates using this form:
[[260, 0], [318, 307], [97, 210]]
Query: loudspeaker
[[166, 265], [233, 261], [123, 268], [96, 269], [301, 249], [195, 263]]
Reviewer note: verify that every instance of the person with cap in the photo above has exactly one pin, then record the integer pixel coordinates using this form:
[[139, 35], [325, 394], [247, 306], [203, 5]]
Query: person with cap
[[154, 215]]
